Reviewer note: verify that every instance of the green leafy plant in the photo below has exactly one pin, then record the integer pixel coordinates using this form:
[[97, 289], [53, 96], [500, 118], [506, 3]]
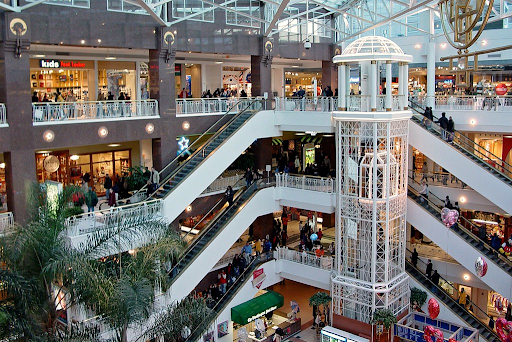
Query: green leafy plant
[[418, 297], [72, 211], [319, 298], [137, 179], [384, 317]]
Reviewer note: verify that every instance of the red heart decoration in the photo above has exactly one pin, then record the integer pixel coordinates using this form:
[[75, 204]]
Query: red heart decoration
[[433, 308], [431, 331], [502, 326]]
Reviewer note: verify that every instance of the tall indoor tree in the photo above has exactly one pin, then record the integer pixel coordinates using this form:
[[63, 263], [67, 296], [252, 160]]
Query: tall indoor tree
[[40, 266]]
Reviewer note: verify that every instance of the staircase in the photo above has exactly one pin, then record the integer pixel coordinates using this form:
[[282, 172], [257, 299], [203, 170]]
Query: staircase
[[459, 241], [486, 173], [464, 314]]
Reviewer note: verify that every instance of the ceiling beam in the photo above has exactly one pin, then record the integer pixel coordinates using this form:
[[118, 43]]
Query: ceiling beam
[[152, 13], [224, 6], [276, 17]]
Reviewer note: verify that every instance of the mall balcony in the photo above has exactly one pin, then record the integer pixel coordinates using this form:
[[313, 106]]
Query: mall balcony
[[46, 113]]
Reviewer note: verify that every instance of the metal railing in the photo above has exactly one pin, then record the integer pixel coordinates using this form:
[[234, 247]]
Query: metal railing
[[89, 110], [468, 102], [211, 106], [89, 222], [463, 143], [221, 183], [305, 258], [6, 222], [305, 182], [362, 103], [318, 104], [439, 179], [3, 115]]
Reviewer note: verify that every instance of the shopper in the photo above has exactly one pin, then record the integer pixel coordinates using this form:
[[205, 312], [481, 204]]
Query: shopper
[[248, 177], [443, 122], [463, 298], [107, 184], [435, 280], [428, 271], [229, 195], [91, 199], [423, 191], [414, 258], [155, 178], [451, 130]]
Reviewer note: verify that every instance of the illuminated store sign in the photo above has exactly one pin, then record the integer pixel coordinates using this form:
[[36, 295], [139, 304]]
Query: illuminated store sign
[[55, 64]]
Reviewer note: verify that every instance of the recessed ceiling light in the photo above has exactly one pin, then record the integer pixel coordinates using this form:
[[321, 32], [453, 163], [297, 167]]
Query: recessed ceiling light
[[219, 62], [295, 66], [99, 40], [110, 57], [114, 145], [82, 41], [299, 133], [328, 135], [40, 56], [44, 152]]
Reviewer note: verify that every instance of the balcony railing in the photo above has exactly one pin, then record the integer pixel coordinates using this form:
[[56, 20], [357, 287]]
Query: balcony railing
[[305, 258], [92, 110], [305, 182], [3, 116], [6, 222], [210, 106], [319, 104], [104, 219], [362, 103], [468, 102]]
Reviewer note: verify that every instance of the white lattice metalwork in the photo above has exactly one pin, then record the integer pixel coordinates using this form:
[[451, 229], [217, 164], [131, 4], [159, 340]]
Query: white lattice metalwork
[[370, 222]]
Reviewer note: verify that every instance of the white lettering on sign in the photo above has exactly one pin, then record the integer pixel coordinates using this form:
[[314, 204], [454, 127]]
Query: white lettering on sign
[[49, 63]]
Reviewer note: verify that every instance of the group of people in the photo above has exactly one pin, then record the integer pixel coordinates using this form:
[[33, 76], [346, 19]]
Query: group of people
[[447, 125], [67, 96], [224, 92]]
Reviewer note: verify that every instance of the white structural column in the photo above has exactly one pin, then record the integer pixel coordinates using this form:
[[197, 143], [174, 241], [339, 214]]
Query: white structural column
[[342, 84], [400, 81], [389, 89], [406, 86], [347, 80], [431, 74], [373, 86]]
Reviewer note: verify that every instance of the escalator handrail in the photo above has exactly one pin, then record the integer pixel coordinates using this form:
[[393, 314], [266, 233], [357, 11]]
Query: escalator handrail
[[439, 288], [222, 200], [195, 144], [252, 189], [468, 145], [464, 229], [447, 282], [227, 297]]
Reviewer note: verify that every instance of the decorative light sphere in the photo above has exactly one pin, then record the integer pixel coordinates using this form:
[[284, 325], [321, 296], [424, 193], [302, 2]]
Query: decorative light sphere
[[103, 131]]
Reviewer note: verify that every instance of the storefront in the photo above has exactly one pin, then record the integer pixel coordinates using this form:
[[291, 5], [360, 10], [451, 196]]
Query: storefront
[[67, 169], [236, 79], [3, 188], [257, 318], [310, 81], [47, 76], [78, 77]]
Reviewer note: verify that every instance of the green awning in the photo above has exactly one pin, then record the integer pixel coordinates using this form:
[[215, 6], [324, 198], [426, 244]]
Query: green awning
[[256, 307]]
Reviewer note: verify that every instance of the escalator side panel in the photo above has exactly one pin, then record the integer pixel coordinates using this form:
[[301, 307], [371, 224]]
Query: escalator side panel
[[462, 167], [496, 278]]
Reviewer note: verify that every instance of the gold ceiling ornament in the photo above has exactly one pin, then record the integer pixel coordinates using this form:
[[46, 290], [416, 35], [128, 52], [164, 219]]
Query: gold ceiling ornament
[[461, 17]]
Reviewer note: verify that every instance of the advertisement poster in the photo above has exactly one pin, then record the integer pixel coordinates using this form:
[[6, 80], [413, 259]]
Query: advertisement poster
[[222, 329]]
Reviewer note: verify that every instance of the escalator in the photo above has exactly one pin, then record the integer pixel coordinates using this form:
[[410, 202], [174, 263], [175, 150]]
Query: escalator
[[467, 315], [224, 301], [186, 177], [486, 173], [459, 241], [218, 236]]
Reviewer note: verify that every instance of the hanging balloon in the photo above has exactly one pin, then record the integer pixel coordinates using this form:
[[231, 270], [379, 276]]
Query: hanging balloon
[[502, 326], [480, 266], [433, 308], [313, 237], [449, 217], [430, 332]]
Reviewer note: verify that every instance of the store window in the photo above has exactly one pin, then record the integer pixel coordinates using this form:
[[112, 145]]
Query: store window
[[52, 166], [116, 78], [3, 188], [50, 77]]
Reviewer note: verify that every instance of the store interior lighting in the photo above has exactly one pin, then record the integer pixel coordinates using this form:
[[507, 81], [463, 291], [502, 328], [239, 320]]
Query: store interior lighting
[[484, 221], [114, 145], [74, 157]]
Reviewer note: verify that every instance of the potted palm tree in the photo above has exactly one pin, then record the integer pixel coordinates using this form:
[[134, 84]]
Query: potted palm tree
[[418, 298], [384, 320], [321, 299]]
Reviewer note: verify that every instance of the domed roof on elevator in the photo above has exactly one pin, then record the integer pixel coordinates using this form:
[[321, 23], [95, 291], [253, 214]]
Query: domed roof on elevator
[[372, 48]]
